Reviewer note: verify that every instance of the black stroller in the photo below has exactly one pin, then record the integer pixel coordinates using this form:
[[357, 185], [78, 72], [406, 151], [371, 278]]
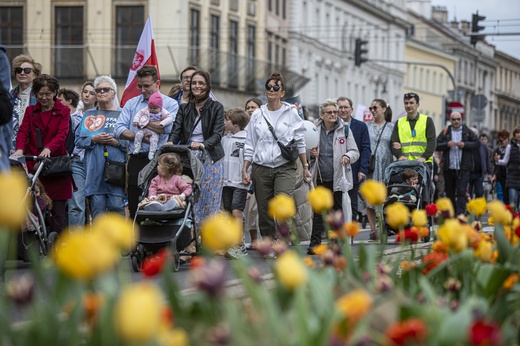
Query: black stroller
[[175, 228], [36, 232], [423, 193]]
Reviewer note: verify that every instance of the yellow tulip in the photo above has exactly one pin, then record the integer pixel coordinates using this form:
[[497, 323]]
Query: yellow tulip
[[13, 207], [477, 206], [174, 337], [354, 305], [83, 255], [484, 251], [374, 192], [220, 232], [290, 270], [351, 228], [138, 312], [397, 215], [510, 281], [320, 199], [116, 229], [419, 218], [281, 208], [499, 213], [452, 235], [445, 207]]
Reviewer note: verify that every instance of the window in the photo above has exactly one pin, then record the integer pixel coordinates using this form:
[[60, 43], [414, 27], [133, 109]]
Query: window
[[214, 49], [129, 26], [194, 37], [11, 30], [68, 37], [277, 8], [270, 5], [251, 56], [233, 54], [284, 8]]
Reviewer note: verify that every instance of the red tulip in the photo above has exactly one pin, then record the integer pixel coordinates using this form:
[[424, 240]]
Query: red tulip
[[153, 265], [431, 209], [482, 334], [406, 332]]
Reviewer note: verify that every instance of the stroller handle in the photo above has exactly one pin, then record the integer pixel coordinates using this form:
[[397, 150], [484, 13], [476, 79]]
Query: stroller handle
[[34, 158]]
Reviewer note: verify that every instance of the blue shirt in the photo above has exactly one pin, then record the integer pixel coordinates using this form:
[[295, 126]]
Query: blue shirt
[[134, 105]]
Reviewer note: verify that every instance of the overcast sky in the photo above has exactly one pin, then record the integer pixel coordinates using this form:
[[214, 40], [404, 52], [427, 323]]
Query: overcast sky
[[506, 11]]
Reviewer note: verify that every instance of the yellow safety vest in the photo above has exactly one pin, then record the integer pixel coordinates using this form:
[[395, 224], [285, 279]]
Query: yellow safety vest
[[413, 147]]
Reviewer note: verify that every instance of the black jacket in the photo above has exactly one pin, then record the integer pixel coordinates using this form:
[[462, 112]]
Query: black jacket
[[212, 120], [513, 166], [471, 142]]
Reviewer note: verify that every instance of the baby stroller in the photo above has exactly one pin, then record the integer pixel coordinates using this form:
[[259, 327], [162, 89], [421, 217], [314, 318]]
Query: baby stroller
[[174, 228], [36, 231], [419, 197]]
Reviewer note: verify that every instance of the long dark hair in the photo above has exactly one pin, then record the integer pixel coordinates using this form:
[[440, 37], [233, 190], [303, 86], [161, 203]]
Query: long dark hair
[[201, 98], [388, 112]]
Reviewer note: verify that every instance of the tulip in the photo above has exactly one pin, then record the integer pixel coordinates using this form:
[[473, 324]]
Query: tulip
[[419, 218], [116, 229], [432, 260], [320, 199], [354, 305], [411, 331], [153, 265], [13, 205], [220, 232], [20, 290], [281, 208], [174, 337], [290, 271], [452, 285], [484, 251], [431, 209], [445, 207], [209, 278], [477, 206], [499, 213], [407, 235], [374, 192], [452, 235], [351, 228], [397, 215], [138, 312], [510, 281], [483, 333]]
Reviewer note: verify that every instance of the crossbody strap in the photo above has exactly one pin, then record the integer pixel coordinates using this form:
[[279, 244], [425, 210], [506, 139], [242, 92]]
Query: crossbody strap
[[269, 125], [379, 139]]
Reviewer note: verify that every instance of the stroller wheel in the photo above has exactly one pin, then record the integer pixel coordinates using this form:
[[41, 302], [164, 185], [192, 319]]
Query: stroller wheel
[[176, 260], [136, 263], [51, 241]]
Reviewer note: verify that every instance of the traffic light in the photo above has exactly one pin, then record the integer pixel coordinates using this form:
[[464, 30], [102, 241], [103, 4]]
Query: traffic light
[[360, 51], [475, 28]]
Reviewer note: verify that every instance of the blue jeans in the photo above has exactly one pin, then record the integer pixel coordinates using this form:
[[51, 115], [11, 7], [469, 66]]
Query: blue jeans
[[77, 203], [513, 198], [103, 203]]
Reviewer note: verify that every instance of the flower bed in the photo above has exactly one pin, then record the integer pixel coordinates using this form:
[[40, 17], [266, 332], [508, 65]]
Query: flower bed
[[463, 291]]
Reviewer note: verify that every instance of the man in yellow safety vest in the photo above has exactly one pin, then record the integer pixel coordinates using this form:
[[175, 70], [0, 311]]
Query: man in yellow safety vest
[[414, 136]]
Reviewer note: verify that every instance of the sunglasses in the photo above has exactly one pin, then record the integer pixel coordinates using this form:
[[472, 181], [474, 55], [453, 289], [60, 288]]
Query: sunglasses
[[410, 95], [272, 87], [372, 108], [25, 70], [104, 90]]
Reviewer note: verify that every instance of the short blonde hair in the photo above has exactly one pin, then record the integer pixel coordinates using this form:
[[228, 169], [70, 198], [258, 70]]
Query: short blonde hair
[[328, 102], [20, 59]]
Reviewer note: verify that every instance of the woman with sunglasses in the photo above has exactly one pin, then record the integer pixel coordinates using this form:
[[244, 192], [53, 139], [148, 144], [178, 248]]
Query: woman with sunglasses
[[380, 131], [271, 173], [102, 196], [43, 132], [501, 171], [25, 70], [200, 124]]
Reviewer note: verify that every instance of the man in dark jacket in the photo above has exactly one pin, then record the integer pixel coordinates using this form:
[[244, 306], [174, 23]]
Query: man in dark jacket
[[6, 110], [457, 142], [362, 138]]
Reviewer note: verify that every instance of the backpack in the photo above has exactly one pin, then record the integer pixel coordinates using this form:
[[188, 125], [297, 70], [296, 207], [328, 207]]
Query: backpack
[[6, 106], [71, 136]]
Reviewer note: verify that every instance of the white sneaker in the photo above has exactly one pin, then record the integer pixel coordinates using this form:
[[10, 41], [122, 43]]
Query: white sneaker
[[169, 204], [150, 156], [153, 206]]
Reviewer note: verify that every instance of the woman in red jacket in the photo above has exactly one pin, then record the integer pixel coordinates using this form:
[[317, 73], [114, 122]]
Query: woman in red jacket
[[52, 118]]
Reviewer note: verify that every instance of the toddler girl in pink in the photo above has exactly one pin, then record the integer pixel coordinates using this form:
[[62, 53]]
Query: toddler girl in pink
[[153, 112]]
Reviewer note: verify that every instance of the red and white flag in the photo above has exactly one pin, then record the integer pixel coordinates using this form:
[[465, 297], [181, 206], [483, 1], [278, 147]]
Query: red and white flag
[[144, 55]]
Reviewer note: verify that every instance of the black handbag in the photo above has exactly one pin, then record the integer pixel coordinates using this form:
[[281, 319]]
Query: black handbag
[[57, 166], [289, 151], [115, 172]]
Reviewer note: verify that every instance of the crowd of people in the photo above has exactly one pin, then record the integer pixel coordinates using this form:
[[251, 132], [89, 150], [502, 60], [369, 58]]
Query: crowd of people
[[250, 154]]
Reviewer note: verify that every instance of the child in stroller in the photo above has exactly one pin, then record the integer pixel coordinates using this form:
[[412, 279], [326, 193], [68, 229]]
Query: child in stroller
[[173, 228], [403, 193], [168, 190]]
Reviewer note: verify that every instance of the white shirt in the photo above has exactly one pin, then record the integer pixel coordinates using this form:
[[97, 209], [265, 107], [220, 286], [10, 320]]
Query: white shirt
[[455, 152]]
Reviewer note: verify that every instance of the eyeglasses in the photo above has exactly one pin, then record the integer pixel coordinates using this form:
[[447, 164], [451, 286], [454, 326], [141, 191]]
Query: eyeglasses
[[456, 119], [25, 70], [331, 112], [44, 95], [146, 86], [410, 95], [104, 90], [372, 108], [272, 87]]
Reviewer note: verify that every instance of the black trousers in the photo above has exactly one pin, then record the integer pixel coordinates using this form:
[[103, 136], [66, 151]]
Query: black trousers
[[317, 220], [135, 164], [456, 184]]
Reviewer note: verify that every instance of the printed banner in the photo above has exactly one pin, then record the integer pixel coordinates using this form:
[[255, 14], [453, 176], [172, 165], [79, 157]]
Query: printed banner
[[96, 121]]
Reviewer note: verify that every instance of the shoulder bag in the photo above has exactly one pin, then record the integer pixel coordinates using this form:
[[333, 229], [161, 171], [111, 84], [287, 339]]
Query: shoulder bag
[[372, 165], [289, 151], [115, 172], [57, 166]]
